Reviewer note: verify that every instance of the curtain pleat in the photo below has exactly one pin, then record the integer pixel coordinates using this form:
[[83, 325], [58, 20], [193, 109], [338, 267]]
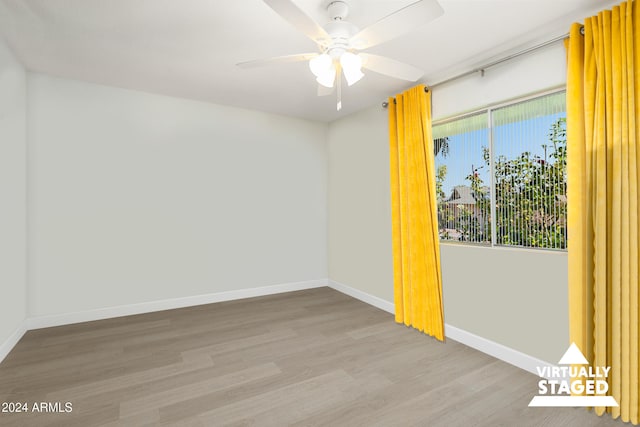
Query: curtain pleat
[[602, 174], [416, 249]]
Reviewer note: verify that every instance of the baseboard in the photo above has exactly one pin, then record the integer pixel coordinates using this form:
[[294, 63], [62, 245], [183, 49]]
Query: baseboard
[[494, 349], [9, 343], [363, 296], [40, 322]]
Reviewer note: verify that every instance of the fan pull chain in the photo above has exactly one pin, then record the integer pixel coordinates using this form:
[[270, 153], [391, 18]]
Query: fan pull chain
[[339, 84]]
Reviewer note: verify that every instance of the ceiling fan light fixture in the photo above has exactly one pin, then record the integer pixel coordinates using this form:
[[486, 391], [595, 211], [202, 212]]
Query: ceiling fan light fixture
[[320, 65], [340, 41], [352, 67], [328, 77]]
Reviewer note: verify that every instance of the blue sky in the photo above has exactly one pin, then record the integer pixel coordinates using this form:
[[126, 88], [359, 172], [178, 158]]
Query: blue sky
[[509, 140]]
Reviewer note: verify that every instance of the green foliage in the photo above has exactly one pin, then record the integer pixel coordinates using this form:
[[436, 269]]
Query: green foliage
[[530, 199], [471, 227], [477, 227], [441, 173]]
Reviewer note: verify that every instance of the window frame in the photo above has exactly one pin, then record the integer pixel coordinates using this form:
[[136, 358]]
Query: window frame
[[488, 109]]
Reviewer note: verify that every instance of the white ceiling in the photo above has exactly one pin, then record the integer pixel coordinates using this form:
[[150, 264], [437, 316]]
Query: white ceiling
[[189, 48]]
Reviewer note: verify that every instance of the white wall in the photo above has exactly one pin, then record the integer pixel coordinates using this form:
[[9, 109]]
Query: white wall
[[139, 197], [517, 298], [531, 73], [13, 145], [360, 252]]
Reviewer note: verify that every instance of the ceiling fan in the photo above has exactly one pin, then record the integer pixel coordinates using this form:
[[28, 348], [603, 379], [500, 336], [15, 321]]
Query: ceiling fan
[[340, 42]]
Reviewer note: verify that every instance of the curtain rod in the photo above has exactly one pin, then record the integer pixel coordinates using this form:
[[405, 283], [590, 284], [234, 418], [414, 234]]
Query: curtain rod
[[481, 69], [385, 104]]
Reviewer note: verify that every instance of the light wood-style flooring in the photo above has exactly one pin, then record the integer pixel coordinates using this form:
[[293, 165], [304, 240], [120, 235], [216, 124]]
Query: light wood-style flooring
[[308, 358]]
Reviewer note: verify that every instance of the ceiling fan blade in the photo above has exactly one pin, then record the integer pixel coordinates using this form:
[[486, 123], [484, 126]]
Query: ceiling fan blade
[[390, 67], [397, 24], [296, 17], [324, 91], [277, 60]]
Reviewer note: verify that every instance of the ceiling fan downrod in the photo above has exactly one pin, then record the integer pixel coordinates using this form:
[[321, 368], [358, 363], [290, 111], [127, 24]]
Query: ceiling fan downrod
[[338, 10]]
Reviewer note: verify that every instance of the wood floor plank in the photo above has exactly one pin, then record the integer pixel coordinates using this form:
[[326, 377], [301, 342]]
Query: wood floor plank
[[142, 419], [308, 358], [178, 394], [128, 380], [253, 391], [271, 407]]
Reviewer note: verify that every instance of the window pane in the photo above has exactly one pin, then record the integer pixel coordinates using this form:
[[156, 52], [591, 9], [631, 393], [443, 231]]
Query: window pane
[[524, 152], [462, 179], [529, 148]]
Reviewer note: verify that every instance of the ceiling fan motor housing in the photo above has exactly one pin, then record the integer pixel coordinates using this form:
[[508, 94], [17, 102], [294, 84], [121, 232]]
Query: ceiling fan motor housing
[[338, 29], [340, 32]]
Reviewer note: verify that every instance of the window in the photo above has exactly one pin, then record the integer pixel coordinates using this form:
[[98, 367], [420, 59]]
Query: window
[[501, 175]]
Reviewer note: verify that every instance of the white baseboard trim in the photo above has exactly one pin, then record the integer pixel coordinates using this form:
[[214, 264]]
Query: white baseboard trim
[[363, 296], [494, 349], [9, 343], [40, 322]]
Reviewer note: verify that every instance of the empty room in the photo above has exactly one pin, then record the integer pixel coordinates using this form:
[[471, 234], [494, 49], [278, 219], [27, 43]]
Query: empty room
[[319, 213]]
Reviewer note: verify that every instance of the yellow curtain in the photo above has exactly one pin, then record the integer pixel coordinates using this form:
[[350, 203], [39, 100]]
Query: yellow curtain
[[416, 250], [603, 99]]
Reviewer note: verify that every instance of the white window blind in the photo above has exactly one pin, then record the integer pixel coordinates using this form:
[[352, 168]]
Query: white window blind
[[501, 175]]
